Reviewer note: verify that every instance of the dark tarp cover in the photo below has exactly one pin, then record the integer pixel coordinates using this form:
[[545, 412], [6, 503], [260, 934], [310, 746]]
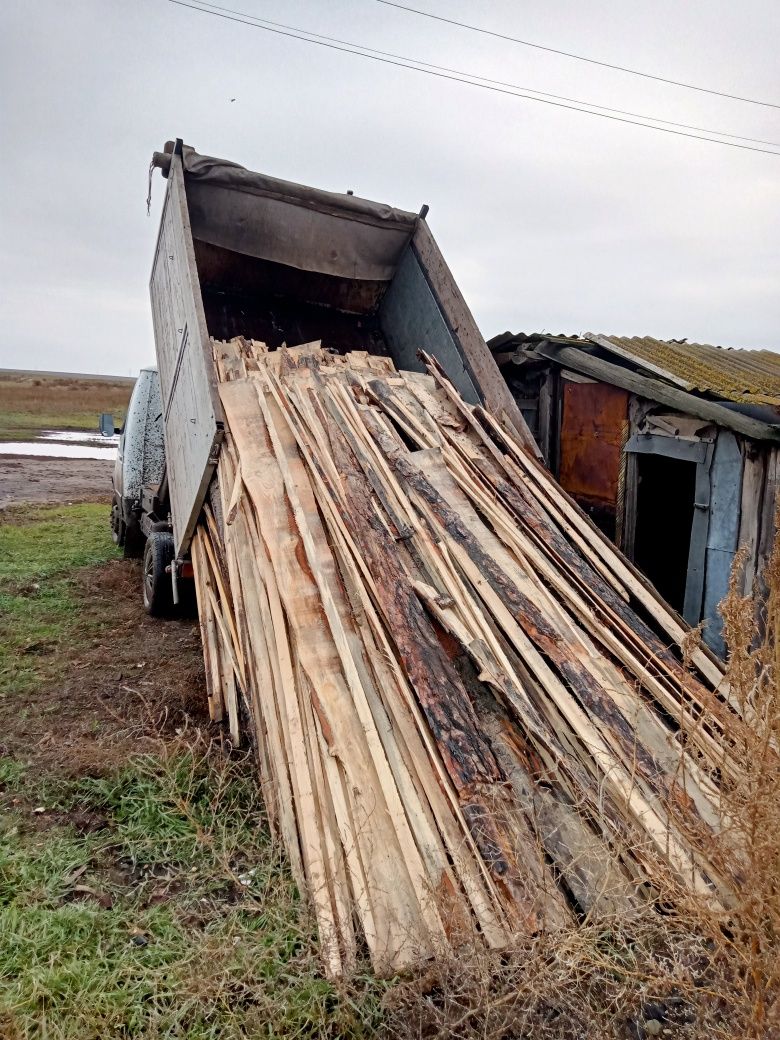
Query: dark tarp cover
[[292, 224]]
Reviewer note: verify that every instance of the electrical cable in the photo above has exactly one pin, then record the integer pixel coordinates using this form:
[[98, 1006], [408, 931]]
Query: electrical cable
[[405, 63], [576, 57], [203, 4]]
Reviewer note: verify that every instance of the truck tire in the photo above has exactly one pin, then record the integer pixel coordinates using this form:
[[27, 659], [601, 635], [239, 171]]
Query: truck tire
[[157, 586]]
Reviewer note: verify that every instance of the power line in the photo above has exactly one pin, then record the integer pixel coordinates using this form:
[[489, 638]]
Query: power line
[[355, 49], [204, 4], [577, 57]]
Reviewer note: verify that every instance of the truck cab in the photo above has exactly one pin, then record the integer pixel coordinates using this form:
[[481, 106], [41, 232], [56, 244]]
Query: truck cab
[[140, 461], [140, 506]]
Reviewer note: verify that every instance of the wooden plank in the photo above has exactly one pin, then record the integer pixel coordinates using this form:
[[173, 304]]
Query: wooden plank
[[208, 633], [611, 698], [525, 511], [546, 768], [755, 458], [459, 843], [697, 553], [626, 527], [442, 697], [671, 447], [244, 421], [768, 533], [598, 549], [588, 611], [545, 414], [398, 924], [341, 623], [548, 536]]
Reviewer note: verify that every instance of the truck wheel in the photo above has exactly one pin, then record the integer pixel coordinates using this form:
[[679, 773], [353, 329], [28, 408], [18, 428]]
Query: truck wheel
[[158, 589]]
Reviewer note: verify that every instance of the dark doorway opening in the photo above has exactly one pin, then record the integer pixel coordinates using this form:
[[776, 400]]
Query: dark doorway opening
[[664, 516]]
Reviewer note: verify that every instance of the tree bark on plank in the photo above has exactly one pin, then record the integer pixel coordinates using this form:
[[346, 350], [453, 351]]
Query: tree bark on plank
[[445, 702]]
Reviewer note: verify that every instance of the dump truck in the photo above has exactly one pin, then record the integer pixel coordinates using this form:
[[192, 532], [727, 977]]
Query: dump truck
[[245, 254], [441, 664]]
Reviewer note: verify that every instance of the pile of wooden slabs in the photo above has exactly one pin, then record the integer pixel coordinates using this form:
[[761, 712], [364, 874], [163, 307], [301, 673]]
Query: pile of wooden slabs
[[466, 713]]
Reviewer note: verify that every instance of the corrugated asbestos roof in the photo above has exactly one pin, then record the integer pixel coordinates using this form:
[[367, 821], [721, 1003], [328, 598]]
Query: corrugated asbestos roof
[[743, 376]]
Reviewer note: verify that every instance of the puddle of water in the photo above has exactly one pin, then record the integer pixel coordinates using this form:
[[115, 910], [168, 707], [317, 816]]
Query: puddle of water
[[78, 437], [64, 444], [53, 450]]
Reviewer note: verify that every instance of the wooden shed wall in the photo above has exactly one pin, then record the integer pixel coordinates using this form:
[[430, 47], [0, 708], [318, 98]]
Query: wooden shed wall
[[590, 433], [759, 503]]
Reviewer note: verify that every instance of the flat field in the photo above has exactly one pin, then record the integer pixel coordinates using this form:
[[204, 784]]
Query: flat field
[[35, 401]]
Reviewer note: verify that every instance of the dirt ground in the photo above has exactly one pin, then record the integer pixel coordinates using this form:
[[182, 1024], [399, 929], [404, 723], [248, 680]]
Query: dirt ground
[[45, 481], [140, 680]]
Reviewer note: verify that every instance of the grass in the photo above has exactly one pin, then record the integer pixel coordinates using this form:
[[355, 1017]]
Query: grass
[[30, 403], [150, 901], [175, 917], [39, 550]]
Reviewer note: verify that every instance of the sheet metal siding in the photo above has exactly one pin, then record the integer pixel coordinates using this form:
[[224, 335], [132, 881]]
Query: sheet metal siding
[[189, 404], [743, 376], [592, 425], [722, 534], [653, 444], [411, 319], [697, 554]]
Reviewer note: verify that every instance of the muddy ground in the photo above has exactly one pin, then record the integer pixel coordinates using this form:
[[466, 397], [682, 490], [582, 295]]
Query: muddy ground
[[48, 481]]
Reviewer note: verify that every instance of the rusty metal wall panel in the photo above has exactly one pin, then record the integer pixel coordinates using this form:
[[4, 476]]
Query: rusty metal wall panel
[[190, 404], [593, 417]]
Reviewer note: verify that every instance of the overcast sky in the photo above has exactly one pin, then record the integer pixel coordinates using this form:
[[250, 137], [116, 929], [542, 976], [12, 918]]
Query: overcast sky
[[550, 220]]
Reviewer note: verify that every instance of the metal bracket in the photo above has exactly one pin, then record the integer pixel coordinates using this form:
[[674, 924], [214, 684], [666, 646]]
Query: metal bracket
[[175, 580]]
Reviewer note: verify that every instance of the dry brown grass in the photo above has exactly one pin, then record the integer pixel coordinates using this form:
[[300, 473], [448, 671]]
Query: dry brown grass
[[749, 938], [30, 402], [681, 968]]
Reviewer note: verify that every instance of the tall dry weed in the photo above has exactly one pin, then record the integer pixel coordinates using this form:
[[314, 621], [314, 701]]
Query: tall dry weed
[[749, 937], [683, 967]]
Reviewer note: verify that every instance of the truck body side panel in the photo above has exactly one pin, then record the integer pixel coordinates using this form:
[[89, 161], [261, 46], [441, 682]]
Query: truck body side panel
[[190, 404], [491, 386], [411, 319]]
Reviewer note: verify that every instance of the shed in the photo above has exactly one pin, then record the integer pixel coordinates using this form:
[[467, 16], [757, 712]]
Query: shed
[[671, 447]]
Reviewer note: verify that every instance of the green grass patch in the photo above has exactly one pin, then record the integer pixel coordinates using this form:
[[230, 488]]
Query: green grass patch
[[39, 549], [177, 917], [22, 426]]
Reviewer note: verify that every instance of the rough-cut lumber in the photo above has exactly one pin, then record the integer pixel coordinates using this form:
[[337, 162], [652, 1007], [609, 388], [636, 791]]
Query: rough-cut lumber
[[468, 717]]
